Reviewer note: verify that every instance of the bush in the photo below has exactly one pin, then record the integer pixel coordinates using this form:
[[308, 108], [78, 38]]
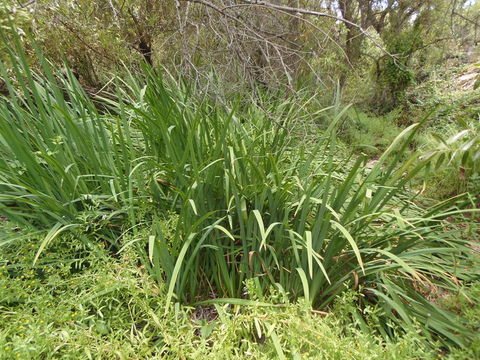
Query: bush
[[249, 203]]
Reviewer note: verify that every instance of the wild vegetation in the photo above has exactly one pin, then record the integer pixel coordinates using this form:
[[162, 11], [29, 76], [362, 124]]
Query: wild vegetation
[[186, 180]]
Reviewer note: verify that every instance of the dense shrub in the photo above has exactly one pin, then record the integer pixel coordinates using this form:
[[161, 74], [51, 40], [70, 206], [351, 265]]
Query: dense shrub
[[249, 204]]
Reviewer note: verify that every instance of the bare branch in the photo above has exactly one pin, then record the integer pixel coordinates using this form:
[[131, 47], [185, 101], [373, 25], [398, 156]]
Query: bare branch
[[290, 10], [476, 23], [309, 12]]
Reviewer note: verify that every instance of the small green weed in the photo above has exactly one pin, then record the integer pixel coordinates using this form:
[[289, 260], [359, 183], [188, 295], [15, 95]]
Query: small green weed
[[370, 134], [111, 309]]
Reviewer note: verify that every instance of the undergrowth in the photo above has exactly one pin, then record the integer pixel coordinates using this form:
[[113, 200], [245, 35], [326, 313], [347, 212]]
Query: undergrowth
[[95, 307], [218, 198], [370, 133]]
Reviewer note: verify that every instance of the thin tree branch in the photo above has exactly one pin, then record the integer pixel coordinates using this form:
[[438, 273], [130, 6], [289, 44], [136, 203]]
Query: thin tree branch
[[291, 10], [306, 12], [466, 19]]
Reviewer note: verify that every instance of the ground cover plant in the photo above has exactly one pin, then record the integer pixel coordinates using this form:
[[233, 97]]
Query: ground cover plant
[[453, 139], [221, 206], [115, 311], [79, 302]]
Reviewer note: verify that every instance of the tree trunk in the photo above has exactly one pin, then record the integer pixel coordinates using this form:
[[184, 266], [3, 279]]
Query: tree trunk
[[354, 37]]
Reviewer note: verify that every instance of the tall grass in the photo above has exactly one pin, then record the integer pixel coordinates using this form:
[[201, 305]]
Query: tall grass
[[61, 161], [250, 202]]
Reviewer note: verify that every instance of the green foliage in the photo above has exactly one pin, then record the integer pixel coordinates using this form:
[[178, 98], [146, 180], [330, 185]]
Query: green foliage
[[9, 15], [20, 19], [452, 142], [98, 37], [465, 303], [453, 99], [80, 303], [248, 202], [460, 152], [117, 209], [394, 73], [69, 158], [372, 134]]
